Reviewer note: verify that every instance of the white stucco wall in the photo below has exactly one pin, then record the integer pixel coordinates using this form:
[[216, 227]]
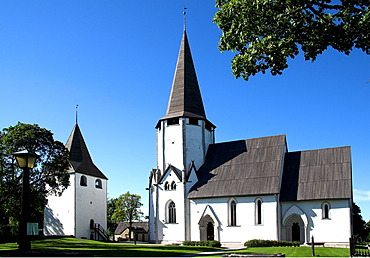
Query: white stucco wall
[[59, 217], [246, 227], [171, 232], [91, 204], [333, 231]]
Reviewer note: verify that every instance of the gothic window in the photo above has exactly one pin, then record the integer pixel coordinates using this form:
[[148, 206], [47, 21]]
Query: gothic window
[[258, 214], [171, 212], [166, 186], [173, 185], [325, 210], [98, 184], [232, 213], [83, 181]]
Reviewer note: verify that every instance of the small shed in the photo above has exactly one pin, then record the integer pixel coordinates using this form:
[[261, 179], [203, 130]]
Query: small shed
[[139, 231]]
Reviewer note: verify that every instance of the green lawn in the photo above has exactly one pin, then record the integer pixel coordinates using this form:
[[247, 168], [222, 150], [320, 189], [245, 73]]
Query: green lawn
[[298, 251], [97, 248]]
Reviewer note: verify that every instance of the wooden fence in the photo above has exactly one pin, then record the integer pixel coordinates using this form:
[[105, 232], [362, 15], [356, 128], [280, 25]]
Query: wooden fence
[[357, 250]]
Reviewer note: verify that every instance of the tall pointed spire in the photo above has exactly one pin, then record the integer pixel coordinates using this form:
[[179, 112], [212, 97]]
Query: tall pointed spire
[[80, 158], [185, 99]]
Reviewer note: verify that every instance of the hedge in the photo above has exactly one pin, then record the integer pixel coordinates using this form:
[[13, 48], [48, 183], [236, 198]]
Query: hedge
[[269, 243], [212, 243]]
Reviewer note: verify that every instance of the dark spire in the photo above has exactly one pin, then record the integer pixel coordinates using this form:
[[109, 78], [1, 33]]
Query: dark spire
[[185, 99], [80, 158]]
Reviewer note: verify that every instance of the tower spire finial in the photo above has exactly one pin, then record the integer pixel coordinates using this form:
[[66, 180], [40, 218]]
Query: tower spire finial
[[184, 12], [76, 114]]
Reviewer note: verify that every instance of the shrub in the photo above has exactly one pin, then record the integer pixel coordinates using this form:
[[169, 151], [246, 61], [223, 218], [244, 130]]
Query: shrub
[[212, 243], [269, 243]]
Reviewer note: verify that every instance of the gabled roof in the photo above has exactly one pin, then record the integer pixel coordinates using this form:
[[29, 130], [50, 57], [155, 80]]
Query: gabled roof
[[239, 168], [185, 99], [168, 169], [80, 158], [138, 227], [317, 174]]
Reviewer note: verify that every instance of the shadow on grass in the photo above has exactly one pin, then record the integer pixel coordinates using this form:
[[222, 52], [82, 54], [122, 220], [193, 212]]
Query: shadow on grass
[[78, 247]]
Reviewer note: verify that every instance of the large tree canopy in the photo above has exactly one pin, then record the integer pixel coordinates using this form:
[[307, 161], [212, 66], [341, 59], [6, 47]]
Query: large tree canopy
[[49, 176], [265, 33]]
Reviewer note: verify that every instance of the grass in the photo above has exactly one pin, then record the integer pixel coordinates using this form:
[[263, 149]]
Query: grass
[[302, 251], [96, 248]]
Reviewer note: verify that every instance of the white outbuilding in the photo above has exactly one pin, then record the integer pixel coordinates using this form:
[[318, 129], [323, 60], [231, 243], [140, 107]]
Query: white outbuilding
[[241, 190]]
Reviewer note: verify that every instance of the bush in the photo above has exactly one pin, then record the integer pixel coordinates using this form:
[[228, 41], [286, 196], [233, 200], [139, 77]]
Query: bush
[[212, 243], [269, 243]]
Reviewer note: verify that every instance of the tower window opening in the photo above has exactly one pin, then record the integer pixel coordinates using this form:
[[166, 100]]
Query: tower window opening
[[173, 185], [193, 121], [98, 184], [83, 181], [166, 186], [173, 121]]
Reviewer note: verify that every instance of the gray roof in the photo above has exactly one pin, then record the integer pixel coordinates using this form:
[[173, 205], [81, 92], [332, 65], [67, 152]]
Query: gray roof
[[185, 99], [80, 158], [138, 227], [317, 174], [246, 167]]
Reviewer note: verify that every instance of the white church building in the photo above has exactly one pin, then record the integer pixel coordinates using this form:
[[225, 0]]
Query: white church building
[[241, 190], [81, 211]]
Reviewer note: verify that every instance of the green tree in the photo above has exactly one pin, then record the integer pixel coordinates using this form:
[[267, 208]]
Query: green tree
[[111, 207], [49, 176], [127, 209], [265, 33], [359, 225]]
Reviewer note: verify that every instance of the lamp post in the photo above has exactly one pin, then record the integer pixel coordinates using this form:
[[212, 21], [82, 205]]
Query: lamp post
[[25, 160]]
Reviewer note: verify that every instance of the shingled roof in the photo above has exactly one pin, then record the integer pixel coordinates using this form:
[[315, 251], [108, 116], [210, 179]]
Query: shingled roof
[[239, 168], [317, 174], [80, 158], [185, 99]]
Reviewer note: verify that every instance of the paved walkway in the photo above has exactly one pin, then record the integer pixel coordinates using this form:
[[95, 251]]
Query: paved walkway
[[215, 252]]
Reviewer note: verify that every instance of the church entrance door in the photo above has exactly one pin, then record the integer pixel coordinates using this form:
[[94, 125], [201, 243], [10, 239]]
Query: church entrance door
[[207, 229], [296, 232], [210, 231]]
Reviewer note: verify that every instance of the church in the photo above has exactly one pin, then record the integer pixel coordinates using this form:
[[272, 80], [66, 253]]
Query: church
[[241, 190]]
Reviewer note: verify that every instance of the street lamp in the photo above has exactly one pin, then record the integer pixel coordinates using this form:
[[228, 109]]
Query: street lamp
[[25, 160]]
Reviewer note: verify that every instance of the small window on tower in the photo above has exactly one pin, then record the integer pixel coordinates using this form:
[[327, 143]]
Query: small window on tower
[[83, 181], [173, 121], [193, 121], [98, 184]]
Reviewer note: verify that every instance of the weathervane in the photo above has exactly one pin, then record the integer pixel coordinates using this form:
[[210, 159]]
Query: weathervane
[[76, 114], [184, 12]]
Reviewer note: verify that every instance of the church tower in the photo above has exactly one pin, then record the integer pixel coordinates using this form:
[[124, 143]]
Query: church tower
[[81, 210], [183, 137]]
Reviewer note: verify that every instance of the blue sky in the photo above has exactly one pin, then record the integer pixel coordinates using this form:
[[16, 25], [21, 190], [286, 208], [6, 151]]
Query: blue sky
[[116, 60]]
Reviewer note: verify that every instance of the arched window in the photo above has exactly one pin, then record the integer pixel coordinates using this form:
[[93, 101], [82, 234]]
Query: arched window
[[232, 213], [171, 211], [325, 210], [173, 185], [98, 184], [83, 181], [166, 186], [258, 204]]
